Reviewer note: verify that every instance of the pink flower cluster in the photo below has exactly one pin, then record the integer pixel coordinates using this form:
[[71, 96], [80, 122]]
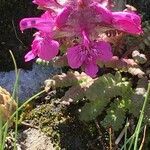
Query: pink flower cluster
[[84, 20]]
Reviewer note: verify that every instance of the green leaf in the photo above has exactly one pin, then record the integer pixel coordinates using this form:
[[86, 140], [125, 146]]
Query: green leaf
[[91, 110], [115, 115], [102, 92]]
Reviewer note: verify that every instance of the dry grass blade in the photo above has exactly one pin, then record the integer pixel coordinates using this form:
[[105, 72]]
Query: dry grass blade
[[143, 139]]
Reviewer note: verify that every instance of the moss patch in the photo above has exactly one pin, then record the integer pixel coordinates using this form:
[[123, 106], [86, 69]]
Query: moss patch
[[66, 131]]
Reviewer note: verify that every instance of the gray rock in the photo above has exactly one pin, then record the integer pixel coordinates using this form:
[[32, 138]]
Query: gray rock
[[33, 139], [30, 82]]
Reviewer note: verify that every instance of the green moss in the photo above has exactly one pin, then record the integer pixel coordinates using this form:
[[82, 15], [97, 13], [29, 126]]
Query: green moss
[[65, 131]]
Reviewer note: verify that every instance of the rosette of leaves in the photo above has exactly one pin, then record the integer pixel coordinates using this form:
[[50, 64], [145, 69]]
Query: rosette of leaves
[[77, 82], [109, 97], [99, 91], [110, 94]]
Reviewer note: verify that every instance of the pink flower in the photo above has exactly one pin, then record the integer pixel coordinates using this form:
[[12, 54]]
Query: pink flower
[[127, 22], [62, 17], [45, 3], [106, 3], [44, 23], [43, 47], [73, 18], [104, 15], [87, 54], [53, 5], [85, 20]]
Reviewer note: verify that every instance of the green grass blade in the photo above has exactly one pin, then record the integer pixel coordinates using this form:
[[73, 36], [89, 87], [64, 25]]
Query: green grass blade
[[125, 136], [23, 105], [5, 130], [1, 135], [127, 141], [15, 96], [134, 138], [141, 117], [16, 127]]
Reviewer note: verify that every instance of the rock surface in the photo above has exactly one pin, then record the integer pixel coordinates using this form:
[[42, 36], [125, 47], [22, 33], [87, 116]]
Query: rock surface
[[33, 139], [30, 82]]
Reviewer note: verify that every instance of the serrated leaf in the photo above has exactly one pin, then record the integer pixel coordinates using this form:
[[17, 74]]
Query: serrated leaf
[[115, 116], [91, 110], [102, 91], [118, 77]]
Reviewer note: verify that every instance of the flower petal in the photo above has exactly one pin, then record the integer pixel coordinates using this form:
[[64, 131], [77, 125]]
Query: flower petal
[[105, 51], [75, 56], [86, 40], [106, 3], [48, 49], [127, 22], [104, 14], [42, 2], [91, 69], [44, 23], [63, 16], [29, 56], [46, 3]]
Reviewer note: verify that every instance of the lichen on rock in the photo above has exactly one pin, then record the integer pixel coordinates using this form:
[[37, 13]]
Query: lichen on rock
[[7, 104]]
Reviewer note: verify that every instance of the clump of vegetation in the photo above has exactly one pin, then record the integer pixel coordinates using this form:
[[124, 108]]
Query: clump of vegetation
[[65, 130], [105, 102], [109, 94]]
